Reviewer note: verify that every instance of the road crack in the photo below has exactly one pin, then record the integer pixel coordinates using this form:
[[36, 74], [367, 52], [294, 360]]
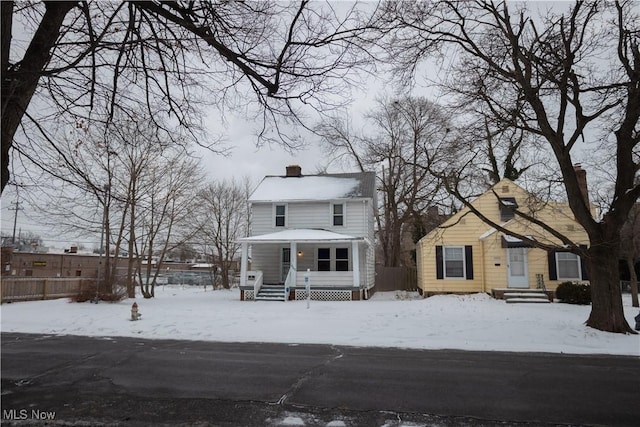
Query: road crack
[[338, 354]]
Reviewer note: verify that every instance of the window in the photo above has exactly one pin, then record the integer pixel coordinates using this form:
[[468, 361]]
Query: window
[[338, 214], [454, 262], [324, 259], [507, 207], [342, 259], [568, 265], [281, 215], [78, 273]]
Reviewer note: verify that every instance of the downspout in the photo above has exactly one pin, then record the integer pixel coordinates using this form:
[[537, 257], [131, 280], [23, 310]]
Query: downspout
[[482, 275]]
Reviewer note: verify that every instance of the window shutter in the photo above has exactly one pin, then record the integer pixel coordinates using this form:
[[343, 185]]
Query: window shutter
[[583, 265], [551, 260], [439, 266], [468, 260]]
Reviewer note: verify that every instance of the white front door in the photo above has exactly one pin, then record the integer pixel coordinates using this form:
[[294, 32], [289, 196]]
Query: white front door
[[517, 273], [285, 263]]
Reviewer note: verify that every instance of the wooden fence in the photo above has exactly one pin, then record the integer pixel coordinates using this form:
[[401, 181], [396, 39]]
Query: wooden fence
[[396, 278], [40, 288]]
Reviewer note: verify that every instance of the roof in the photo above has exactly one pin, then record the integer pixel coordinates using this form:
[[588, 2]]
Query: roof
[[315, 187], [300, 235]]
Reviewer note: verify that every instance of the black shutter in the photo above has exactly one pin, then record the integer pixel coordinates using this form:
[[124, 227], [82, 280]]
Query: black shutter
[[551, 258], [439, 266], [583, 265], [468, 260]]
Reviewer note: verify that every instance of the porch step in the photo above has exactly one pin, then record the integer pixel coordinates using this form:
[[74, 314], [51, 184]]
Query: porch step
[[528, 296], [271, 293]]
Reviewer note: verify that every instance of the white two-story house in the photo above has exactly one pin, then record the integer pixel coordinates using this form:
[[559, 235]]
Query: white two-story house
[[310, 232]]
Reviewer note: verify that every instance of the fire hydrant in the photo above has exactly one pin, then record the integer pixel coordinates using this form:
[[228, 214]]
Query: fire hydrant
[[134, 312]]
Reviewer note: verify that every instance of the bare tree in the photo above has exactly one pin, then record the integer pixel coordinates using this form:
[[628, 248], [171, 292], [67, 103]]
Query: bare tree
[[224, 206], [572, 73], [173, 57], [163, 214], [406, 135]]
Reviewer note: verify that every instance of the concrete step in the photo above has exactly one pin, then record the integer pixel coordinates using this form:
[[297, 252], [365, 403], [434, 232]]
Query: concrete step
[[271, 293], [544, 300], [526, 296]]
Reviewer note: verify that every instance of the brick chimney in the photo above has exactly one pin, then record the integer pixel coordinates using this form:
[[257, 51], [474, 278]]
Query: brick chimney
[[294, 171], [581, 176]]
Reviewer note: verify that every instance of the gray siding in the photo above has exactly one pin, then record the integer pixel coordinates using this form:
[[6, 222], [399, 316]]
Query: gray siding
[[359, 220]]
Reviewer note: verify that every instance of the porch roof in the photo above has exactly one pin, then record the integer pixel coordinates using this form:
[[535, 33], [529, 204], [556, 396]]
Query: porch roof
[[300, 235]]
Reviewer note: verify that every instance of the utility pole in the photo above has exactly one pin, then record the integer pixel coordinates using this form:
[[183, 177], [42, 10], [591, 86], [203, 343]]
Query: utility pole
[[15, 220]]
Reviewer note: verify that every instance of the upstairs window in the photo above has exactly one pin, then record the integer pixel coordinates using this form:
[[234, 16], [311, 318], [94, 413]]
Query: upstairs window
[[338, 214], [281, 215], [508, 206]]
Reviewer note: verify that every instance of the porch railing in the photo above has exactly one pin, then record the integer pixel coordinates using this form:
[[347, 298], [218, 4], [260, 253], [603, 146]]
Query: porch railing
[[289, 282], [338, 279], [256, 278]]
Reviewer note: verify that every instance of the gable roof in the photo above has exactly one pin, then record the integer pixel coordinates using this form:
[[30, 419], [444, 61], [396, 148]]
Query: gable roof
[[315, 187]]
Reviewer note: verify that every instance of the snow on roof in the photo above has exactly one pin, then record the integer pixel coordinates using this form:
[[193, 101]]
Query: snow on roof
[[300, 235], [312, 187], [512, 239]]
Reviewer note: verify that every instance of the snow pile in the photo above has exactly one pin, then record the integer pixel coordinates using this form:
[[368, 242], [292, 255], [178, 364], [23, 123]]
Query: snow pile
[[389, 319]]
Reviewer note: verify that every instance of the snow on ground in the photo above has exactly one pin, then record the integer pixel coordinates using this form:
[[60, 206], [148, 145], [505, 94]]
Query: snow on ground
[[389, 319]]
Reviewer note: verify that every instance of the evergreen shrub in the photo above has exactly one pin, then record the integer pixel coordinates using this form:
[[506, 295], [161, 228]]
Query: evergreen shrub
[[574, 293]]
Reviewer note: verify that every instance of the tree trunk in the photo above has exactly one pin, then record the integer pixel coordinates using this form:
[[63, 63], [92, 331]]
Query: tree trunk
[[19, 84], [633, 281], [607, 313]]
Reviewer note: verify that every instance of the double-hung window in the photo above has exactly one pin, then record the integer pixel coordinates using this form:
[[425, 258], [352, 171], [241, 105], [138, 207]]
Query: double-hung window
[[568, 265], [281, 215], [333, 259], [342, 259], [454, 262], [337, 214], [324, 259], [453, 257]]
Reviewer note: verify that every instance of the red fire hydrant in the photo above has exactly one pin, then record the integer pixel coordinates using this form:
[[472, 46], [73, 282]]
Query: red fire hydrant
[[134, 312]]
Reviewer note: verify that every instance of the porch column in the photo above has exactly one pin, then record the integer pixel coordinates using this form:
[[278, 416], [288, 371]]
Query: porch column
[[243, 263], [355, 263], [294, 261]]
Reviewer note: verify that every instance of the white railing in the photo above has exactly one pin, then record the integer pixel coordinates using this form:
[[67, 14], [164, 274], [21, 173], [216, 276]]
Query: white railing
[[256, 278], [289, 282]]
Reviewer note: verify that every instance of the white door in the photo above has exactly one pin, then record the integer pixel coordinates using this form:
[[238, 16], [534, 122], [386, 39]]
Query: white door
[[517, 268], [285, 263]]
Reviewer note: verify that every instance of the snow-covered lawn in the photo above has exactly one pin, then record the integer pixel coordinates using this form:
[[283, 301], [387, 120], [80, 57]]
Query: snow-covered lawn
[[389, 319]]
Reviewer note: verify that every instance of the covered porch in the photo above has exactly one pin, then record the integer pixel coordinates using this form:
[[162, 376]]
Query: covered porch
[[332, 265]]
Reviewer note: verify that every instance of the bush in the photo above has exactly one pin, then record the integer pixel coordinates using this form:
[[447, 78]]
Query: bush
[[574, 293], [89, 294]]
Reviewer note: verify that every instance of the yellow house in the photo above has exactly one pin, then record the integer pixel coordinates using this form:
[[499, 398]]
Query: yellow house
[[465, 255]]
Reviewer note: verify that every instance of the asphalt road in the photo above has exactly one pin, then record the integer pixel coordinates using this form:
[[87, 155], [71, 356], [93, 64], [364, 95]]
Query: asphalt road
[[128, 381]]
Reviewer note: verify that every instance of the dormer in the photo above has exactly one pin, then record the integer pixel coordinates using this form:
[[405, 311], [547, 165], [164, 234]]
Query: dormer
[[507, 206]]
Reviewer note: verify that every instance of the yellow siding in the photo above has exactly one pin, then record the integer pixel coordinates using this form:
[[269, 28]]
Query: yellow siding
[[489, 257]]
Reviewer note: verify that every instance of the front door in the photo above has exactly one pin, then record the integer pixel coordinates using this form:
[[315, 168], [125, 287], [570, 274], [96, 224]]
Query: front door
[[285, 263], [517, 268]]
